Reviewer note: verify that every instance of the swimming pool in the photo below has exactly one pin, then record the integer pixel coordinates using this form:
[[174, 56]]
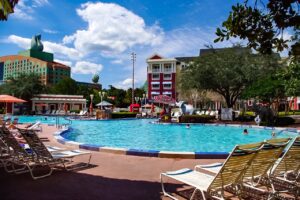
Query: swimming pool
[[143, 135], [42, 119]]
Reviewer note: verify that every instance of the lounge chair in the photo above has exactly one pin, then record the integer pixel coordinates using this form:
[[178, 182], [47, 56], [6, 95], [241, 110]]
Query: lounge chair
[[257, 174], [286, 172], [18, 155], [229, 176], [36, 126], [47, 112], [51, 159]]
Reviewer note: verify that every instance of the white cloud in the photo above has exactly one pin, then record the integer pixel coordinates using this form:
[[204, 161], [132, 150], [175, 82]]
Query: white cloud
[[118, 61], [125, 84], [50, 31], [56, 48], [39, 3], [65, 62], [83, 67], [25, 9], [112, 29]]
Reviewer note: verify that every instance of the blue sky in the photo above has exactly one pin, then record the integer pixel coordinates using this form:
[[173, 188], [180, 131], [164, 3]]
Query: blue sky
[[98, 36]]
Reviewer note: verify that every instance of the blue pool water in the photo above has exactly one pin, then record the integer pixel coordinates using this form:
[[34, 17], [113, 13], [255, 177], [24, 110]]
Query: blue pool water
[[42, 119], [142, 134]]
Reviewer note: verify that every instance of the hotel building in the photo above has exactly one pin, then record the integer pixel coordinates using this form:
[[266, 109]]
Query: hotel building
[[33, 61], [161, 74]]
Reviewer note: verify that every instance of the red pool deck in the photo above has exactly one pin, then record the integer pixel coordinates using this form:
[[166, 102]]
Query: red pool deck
[[109, 177]]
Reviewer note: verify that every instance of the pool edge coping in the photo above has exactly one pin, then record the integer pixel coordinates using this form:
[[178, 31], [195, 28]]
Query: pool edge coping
[[160, 154]]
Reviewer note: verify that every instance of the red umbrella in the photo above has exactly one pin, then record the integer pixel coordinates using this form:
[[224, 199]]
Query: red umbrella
[[10, 99]]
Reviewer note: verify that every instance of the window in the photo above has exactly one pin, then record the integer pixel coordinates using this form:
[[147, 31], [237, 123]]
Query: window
[[155, 68], [167, 67], [167, 86], [167, 76], [155, 86], [155, 76]]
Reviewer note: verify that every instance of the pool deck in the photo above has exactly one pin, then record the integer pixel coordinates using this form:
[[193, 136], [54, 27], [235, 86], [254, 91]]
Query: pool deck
[[110, 176]]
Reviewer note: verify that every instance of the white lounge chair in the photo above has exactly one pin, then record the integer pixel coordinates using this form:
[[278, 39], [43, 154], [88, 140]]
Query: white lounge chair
[[49, 159], [230, 175]]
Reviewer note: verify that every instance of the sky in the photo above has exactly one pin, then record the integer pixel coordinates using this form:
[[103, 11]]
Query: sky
[[98, 37]]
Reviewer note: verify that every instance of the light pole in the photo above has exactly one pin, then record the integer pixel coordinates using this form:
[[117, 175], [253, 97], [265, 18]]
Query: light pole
[[133, 58], [101, 94], [91, 105], [145, 98], [137, 99]]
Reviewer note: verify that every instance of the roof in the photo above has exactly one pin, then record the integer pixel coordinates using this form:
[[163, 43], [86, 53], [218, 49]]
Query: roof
[[104, 103], [186, 59]]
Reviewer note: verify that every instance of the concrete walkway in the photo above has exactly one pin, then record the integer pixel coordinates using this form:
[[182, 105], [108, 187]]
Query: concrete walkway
[[109, 177]]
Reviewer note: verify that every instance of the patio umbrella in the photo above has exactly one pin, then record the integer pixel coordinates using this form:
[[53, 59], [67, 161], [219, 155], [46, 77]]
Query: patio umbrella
[[10, 99]]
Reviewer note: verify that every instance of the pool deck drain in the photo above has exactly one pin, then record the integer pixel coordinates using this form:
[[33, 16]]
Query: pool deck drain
[[155, 153]]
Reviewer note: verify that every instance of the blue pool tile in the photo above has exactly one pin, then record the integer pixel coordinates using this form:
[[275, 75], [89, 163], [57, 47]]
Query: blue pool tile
[[90, 147], [139, 152]]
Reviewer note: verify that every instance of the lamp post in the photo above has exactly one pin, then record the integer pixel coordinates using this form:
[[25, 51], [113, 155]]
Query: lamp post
[[101, 94], [137, 99], [91, 105], [133, 58]]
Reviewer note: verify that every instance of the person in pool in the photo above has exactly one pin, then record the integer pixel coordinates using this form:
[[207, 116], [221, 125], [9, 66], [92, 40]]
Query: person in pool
[[188, 126], [245, 132]]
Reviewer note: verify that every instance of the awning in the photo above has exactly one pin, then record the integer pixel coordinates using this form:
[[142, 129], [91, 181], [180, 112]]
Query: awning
[[155, 93], [167, 82], [154, 83]]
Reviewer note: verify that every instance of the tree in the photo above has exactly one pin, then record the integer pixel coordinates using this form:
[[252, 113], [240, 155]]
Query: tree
[[95, 78], [270, 90], [291, 78], [264, 25], [23, 86], [65, 86], [227, 72]]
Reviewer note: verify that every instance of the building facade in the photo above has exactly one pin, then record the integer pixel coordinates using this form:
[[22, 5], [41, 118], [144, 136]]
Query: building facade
[[33, 61], [161, 76]]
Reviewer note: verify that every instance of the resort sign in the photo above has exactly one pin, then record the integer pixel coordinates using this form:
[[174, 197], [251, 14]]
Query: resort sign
[[164, 99]]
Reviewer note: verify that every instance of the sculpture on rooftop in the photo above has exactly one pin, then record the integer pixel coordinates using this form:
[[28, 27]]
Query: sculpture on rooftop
[[36, 43]]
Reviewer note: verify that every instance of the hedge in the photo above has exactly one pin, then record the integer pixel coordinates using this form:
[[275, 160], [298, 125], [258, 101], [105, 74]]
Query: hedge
[[196, 119], [284, 121], [118, 115], [245, 118], [279, 121]]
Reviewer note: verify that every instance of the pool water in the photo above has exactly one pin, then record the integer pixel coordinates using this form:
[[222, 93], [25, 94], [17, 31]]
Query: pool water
[[144, 135], [42, 119]]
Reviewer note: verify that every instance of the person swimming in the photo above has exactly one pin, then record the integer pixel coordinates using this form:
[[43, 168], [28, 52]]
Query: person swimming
[[245, 132], [273, 134], [188, 126]]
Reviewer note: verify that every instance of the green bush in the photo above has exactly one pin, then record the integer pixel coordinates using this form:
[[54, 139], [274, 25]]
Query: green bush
[[284, 121], [196, 119], [118, 115], [279, 121], [245, 118]]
